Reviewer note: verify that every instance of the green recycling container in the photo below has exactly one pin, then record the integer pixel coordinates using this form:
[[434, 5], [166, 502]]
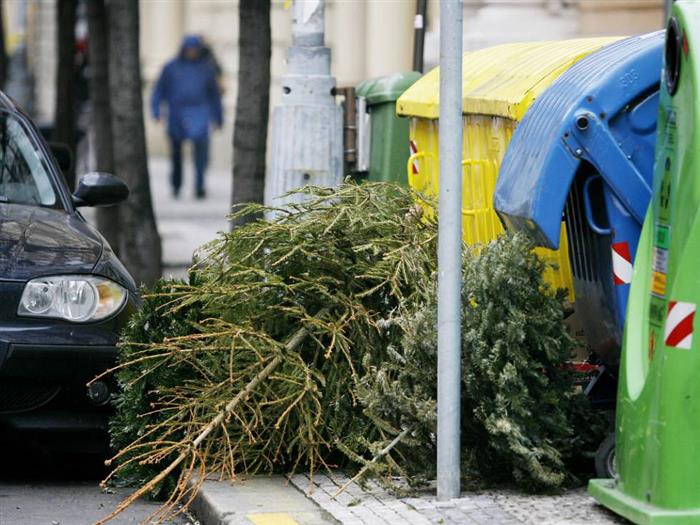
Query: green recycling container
[[388, 138], [658, 405]]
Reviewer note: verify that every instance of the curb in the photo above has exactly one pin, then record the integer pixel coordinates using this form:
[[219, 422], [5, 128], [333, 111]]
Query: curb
[[257, 501]]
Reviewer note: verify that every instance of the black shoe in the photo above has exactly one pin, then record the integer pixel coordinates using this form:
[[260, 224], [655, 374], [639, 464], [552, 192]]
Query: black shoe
[[176, 193], [201, 194]]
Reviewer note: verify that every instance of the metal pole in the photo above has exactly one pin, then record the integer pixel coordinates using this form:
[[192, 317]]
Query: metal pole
[[419, 25], [667, 9], [449, 250]]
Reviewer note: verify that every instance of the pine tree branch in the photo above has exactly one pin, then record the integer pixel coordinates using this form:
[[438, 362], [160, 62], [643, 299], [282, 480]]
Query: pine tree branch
[[191, 447], [383, 452]]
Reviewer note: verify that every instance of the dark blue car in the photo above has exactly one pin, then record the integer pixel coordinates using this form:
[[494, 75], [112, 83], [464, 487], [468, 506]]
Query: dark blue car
[[64, 295]]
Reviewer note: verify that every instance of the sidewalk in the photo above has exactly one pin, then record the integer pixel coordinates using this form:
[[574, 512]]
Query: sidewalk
[[274, 501], [185, 224]]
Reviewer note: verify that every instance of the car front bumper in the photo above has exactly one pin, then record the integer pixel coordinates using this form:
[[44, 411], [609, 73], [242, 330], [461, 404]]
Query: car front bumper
[[67, 363], [44, 370], [44, 387]]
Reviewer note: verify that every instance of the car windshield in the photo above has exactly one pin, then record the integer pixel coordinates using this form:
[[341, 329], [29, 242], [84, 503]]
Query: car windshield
[[24, 178]]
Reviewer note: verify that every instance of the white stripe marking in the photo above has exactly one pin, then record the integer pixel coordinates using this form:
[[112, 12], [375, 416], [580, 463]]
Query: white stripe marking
[[622, 268], [686, 343], [413, 147], [675, 315]]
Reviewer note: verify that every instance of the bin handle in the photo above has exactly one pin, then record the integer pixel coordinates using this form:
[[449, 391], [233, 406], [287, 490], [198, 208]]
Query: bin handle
[[589, 209], [417, 157], [409, 164]]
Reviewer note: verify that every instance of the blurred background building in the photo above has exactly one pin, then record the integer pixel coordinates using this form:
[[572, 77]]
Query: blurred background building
[[368, 38]]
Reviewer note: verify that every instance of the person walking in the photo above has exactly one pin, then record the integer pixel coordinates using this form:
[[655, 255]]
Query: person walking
[[188, 86]]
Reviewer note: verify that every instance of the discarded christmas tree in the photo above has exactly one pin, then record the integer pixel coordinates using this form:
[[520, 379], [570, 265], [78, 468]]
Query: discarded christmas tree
[[308, 342]]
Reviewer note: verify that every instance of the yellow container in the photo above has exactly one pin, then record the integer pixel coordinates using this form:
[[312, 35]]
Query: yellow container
[[498, 86]]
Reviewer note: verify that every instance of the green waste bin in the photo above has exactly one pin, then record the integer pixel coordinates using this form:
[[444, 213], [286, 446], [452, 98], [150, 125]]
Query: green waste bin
[[658, 405], [384, 151]]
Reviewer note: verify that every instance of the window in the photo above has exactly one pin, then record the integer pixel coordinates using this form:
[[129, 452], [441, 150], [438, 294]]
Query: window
[[24, 178]]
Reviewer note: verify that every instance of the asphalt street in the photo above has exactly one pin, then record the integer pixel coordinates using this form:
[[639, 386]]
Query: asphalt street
[[39, 487]]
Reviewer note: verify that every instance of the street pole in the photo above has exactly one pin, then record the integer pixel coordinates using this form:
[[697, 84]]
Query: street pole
[[449, 250], [419, 25], [307, 126], [667, 9]]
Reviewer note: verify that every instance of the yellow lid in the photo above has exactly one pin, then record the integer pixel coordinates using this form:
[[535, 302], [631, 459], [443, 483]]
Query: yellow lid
[[501, 80]]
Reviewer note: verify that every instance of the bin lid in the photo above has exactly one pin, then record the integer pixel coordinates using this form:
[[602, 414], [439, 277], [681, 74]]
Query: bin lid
[[386, 89], [616, 91], [501, 80]]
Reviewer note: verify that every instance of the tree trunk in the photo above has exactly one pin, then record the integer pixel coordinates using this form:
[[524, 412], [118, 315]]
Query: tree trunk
[[100, 113], [252, 104], [65, 118], [3, 50], [139, 245]]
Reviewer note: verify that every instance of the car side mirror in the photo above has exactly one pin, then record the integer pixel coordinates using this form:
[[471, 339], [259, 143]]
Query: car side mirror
[[100, 189]]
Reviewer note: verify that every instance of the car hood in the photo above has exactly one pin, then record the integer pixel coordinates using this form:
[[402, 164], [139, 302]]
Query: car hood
[[38, 241]]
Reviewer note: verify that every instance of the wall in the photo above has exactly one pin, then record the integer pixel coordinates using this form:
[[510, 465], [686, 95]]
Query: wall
[[367, 38]]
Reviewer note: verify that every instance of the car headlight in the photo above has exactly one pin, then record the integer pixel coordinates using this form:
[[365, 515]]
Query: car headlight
[[77, 298]]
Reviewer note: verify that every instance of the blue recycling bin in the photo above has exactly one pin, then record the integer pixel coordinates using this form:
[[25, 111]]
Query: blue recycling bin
[[585, 151]]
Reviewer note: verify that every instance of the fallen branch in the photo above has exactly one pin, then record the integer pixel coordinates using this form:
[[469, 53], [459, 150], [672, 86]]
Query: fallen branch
[[383, 452], [191, 447]]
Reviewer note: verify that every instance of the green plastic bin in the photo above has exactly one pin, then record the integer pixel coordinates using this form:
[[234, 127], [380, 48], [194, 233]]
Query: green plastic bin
[[658, 402], [388, 139]]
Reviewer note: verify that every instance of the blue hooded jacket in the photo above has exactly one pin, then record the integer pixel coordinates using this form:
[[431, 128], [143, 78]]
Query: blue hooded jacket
[[190, 89]]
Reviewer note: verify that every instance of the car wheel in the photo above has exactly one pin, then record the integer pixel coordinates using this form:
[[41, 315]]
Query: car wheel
[[605, 458]]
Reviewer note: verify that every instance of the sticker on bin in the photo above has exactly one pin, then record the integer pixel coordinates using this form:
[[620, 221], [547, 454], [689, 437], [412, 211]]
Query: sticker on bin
[[414, 149], [660, 261], [622, 263], [678, 332], [658, 284]]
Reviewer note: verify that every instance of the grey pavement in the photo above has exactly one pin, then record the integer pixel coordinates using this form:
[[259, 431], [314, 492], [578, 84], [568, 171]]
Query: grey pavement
[[373, 504], [69, 503], [186, 223], [274, 501]]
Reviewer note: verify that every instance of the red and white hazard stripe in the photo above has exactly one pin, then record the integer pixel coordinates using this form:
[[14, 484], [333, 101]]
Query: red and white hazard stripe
[[678, 332], [413, 147], [622, 263]]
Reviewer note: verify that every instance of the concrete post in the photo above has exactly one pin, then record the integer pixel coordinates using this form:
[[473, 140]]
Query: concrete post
[[307, 127], [449, 250]]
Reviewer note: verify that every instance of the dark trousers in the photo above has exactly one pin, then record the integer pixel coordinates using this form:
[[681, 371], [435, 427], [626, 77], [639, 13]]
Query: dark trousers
[[201, 158]]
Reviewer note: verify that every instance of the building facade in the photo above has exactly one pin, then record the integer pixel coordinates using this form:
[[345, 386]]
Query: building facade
[[368, 38]]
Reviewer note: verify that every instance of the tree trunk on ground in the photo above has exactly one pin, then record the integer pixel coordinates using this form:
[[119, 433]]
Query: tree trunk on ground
[[139, 245], [100, 112], [65, 118], [252, 104], [3, 50]]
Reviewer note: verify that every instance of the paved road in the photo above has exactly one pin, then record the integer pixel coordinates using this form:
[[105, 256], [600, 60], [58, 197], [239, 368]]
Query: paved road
[[39, 488], [66, 503]]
